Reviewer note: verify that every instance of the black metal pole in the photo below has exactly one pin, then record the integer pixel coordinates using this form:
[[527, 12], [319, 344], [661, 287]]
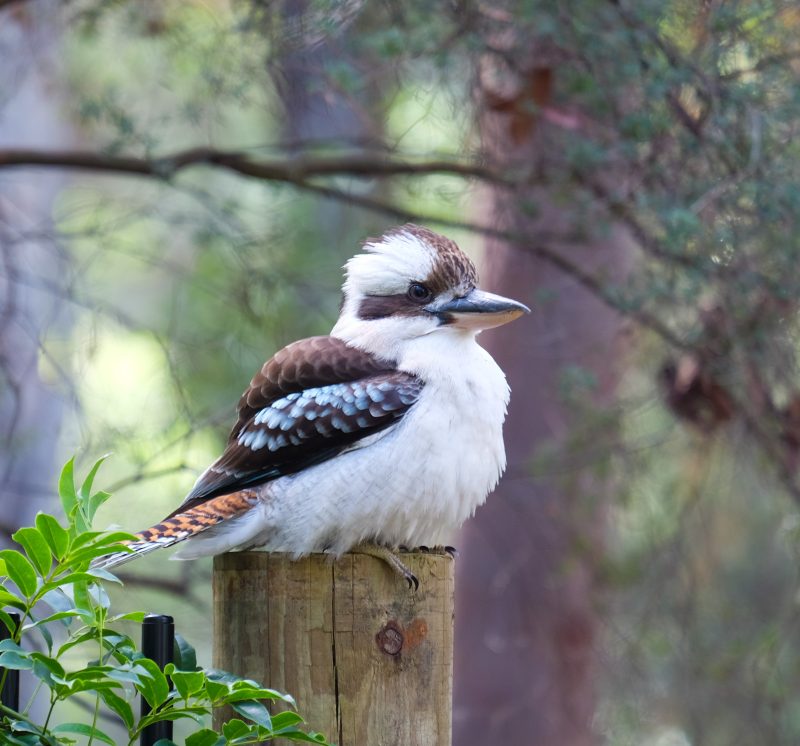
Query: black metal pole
[[9, 696], [158, 640]]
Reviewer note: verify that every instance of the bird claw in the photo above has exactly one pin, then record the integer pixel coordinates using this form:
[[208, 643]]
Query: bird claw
[[451, 551], [391, 559]]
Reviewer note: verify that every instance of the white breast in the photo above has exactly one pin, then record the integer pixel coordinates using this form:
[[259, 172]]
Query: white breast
[[412, 484]]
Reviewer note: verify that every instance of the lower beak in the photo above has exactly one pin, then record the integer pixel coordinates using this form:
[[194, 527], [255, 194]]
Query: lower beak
[[479, 310]]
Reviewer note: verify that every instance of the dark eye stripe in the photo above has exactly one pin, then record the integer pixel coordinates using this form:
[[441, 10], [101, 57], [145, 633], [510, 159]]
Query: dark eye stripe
[[381, 306]]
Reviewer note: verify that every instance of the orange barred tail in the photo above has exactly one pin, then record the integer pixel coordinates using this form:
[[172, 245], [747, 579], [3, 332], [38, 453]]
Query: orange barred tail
[[181, 526]]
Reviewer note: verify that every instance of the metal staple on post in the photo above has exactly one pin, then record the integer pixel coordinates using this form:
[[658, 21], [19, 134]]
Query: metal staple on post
[[9, 696], [158, 640]]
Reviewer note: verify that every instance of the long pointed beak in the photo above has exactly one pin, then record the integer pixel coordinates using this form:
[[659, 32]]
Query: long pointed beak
[[479, 310]]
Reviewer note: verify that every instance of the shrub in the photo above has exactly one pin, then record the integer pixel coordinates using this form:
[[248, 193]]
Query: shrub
[[61, 598]]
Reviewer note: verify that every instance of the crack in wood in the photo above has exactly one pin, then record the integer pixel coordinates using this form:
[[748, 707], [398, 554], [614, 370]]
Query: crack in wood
[[339, 727]]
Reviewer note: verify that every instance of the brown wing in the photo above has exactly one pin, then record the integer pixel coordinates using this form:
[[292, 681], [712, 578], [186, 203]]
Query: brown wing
[[314, 399], [316, 361]]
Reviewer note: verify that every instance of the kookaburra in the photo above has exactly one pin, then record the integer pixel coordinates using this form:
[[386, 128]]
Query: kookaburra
[[386, 433]]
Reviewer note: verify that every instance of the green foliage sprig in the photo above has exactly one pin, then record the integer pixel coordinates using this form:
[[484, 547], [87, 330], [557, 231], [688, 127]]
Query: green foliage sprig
[[60, 598]]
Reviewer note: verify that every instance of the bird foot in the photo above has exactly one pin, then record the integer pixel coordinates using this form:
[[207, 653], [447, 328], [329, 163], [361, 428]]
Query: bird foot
[[391, 559], [452, 551]]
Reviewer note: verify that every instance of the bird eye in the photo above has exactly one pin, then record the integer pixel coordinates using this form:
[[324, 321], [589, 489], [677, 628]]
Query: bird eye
[[418, 293]]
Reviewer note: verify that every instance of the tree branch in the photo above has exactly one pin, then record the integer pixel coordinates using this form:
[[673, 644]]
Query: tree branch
[[292, 170], [301, 170]]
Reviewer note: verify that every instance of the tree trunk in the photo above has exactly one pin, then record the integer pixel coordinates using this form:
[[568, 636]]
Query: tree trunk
[[525, 620]]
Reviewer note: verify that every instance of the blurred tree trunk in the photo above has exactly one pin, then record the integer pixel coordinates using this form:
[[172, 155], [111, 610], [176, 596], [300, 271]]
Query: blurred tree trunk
[[525, 619], [319, 114], [32, 277]]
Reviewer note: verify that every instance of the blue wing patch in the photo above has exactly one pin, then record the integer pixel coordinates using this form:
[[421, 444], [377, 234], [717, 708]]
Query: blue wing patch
[[304, 428]]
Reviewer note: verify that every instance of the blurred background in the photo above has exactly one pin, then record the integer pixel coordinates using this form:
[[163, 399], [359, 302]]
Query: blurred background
[[181, 182]]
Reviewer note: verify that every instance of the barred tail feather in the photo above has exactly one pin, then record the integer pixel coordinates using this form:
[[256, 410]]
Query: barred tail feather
[[182, 526]]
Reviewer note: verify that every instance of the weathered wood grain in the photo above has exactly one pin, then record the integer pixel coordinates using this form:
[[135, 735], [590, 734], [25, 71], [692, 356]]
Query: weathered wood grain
[[368, 661]]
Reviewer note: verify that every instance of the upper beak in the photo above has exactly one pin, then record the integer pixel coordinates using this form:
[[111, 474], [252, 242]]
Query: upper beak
[[479, 310]]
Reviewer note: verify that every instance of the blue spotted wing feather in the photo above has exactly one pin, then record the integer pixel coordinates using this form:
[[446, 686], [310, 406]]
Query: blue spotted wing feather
[[286, 426], [305, 364]]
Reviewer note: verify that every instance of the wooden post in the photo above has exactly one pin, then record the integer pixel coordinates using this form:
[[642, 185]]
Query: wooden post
[[369, 662]]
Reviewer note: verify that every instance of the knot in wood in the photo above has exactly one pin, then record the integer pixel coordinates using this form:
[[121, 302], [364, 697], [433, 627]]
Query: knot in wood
[[390, 639]]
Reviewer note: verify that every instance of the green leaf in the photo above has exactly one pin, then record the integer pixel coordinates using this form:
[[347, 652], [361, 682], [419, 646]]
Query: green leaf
[[78, 580], [91, 635], [54, 534], [298, 735], [51, 664], [29, 740], [187, 682], [117, 704], [20, 726], [131, 616], [101, 574], [184, 654], [87, 502], [95, 501], [90, 672], [285, 719], [245, 689], [205, 737], [112, 641], [100, 598], [128, 676], [90, 545], [86, 554], [95, 687], [45, 668], [86, 488], [85, 538], [20, 571], [216, 690], [235, 728], [36, 547], [58, 615], [8, 622], [153, 686], [76, 586], [45, 633], [254, 711], [12, 659], [26, 734], [66, 489], [57, 600], [7, 598], [191, 712], [83, 730]]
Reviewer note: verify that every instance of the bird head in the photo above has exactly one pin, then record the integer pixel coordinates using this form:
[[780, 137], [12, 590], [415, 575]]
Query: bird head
[[411, 283]]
